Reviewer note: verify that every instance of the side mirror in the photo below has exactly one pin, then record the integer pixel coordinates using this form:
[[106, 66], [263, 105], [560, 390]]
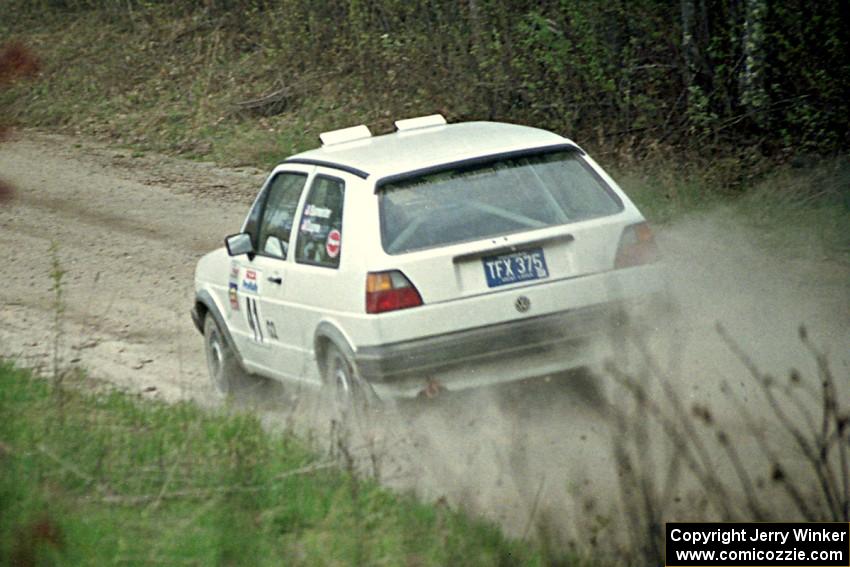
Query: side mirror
[[238, 244]]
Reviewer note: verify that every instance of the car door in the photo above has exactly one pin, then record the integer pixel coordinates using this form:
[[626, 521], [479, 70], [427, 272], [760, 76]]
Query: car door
[[266, 332], [321, 284]]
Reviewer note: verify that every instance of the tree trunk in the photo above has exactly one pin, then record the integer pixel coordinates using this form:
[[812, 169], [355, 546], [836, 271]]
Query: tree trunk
[[753, 95], [689, 49]]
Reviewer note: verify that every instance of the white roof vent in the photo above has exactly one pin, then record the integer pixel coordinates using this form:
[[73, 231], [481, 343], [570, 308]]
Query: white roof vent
[[345, 135], [420, 122]]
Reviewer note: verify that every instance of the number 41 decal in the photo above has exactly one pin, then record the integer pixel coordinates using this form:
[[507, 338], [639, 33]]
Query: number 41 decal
[[253, 317], [271, 329]]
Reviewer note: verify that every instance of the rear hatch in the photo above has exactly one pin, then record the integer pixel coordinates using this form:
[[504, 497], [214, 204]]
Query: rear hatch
[[501, 224]]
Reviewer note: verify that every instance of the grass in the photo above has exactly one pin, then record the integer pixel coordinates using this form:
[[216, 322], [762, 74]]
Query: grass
[[804, 211], [162, 85], [109, 479], [792, 210]]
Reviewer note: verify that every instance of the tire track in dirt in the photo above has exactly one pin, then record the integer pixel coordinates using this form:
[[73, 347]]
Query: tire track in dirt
[[128, 251]]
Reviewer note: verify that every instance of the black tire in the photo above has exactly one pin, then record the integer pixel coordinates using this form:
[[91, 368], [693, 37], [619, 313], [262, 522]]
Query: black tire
[[349, 391], [226, 374]]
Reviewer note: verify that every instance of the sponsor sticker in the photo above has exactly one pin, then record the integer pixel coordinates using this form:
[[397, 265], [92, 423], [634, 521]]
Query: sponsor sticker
[[310, 227], [232, 294], [234, 271], [333, 243], [318, 212], [251, 282]]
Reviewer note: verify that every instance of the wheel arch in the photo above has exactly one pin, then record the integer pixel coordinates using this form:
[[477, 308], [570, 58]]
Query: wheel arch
[[205, 304], [328, 334]]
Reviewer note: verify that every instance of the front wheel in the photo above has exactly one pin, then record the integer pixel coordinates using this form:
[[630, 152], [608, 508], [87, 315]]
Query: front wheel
[[226, 374]]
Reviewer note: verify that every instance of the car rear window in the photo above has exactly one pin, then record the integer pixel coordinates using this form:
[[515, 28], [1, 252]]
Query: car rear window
[[503, 196]]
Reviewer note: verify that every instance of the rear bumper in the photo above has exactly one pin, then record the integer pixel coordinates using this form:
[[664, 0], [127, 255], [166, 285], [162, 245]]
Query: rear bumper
[[490, 354]]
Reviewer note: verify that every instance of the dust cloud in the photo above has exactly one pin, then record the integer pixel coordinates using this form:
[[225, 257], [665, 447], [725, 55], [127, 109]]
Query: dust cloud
[[537, 457]]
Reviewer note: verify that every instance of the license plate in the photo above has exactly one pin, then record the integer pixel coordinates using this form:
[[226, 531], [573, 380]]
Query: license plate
[[522, 266]]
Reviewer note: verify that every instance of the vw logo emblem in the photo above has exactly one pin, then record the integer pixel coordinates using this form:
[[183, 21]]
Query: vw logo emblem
[[522, 304]]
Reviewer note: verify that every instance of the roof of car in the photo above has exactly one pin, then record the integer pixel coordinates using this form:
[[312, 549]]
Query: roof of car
[[423, 148]]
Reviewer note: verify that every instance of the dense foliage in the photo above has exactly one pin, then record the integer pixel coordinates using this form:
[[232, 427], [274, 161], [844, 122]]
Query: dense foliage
[[768, 74]]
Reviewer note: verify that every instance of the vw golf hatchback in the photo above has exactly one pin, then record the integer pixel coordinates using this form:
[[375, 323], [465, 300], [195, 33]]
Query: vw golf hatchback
[[441, 256]]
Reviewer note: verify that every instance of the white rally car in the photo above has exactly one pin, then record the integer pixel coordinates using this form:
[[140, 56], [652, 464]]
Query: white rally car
[[442, 256]]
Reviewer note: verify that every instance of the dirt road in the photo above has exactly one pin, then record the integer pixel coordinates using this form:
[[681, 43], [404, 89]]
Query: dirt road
[[129, 229]]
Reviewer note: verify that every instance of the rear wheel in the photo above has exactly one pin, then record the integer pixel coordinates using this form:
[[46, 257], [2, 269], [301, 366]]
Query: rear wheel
[[226, 374], [349, 391]]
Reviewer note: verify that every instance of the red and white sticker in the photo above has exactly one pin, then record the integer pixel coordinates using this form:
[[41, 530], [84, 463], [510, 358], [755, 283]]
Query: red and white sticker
[[332, 244]]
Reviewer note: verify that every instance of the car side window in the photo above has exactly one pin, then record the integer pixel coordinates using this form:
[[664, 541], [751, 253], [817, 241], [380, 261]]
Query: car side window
[[320, 234], [278, 214]]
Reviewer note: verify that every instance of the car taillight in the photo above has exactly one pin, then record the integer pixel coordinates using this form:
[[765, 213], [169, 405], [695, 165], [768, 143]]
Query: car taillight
[[390, 291], [637, 246]]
